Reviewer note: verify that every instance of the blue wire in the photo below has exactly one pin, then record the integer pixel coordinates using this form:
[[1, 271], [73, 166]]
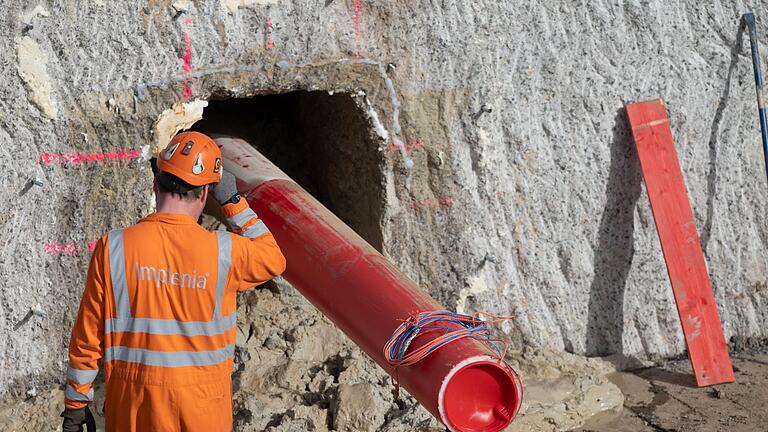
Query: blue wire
[[472, 328]]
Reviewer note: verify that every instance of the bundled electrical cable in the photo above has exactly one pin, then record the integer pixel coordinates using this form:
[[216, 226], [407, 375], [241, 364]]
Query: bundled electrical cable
[[445, 327]]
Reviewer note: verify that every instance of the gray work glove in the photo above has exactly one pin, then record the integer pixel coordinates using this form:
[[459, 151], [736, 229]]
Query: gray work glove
[[74, 419], [224, 190]]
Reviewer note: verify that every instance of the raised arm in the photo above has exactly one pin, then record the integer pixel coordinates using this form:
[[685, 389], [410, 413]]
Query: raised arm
[[256, 257]]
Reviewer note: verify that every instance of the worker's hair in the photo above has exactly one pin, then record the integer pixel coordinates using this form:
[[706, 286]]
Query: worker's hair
[[169, 183]]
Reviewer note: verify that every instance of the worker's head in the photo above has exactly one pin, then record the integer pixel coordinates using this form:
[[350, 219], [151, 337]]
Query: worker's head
[[188, 165]]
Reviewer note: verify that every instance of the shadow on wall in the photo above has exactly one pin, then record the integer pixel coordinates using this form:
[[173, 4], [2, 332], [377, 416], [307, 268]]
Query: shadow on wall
[[615, 246], [736, 51]]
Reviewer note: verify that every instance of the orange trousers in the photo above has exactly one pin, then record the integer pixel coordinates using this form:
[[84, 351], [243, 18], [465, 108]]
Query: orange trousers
[[140, 407]]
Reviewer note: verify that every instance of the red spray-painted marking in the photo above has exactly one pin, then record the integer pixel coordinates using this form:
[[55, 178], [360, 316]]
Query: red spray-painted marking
[[62, 248], [270, 41], [444, 201], [52, 158], [358, 34], [68, 248], [186, 59], [409, 147], [357, 19]]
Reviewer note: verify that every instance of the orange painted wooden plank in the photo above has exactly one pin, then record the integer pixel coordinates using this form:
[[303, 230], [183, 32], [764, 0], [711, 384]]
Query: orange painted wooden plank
[[687, 270]]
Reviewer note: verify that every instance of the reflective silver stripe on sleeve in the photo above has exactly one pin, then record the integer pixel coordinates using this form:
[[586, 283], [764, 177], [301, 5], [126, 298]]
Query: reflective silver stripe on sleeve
[[170, 327], [256, 230], [73, 395], [81, 376], [117, 274], [169, 359], [225, 258], [240, 219]]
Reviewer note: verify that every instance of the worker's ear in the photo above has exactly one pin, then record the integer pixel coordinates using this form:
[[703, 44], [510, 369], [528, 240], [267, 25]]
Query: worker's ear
[[204, 195], [155, 188], [213, 208]]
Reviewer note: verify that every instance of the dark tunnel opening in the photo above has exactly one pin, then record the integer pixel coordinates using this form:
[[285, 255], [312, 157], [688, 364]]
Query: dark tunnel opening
[[322, 141]]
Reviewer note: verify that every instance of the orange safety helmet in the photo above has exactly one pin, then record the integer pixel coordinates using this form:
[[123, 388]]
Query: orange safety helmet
[[192, 157]]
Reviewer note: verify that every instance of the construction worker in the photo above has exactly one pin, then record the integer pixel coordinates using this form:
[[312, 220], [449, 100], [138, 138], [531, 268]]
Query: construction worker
[[159, 308]]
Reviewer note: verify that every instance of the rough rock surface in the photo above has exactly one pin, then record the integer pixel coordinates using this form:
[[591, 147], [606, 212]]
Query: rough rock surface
[[295, 372], [563, 390], [524, 198]]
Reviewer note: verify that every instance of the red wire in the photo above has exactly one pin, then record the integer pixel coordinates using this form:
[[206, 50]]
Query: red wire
[[416, 354]]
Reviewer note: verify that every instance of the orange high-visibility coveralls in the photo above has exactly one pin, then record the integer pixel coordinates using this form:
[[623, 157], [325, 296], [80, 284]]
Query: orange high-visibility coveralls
[[159, 313]]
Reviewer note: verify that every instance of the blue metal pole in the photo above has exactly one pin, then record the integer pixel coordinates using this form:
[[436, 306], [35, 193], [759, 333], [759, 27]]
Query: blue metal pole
[[749, 20]]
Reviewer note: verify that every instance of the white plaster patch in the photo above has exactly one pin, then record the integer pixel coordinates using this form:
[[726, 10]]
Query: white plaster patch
[[233, 5], [378, 127], [478, 284], [181, 116], [146, 152], [32, 69], [27, 16], [181, 5], [484, 280]]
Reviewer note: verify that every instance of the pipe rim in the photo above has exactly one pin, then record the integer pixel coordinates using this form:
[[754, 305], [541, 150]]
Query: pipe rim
[[507, 382]]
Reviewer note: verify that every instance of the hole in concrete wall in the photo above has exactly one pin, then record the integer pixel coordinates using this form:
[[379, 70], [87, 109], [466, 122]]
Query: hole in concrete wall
[[324, 142]]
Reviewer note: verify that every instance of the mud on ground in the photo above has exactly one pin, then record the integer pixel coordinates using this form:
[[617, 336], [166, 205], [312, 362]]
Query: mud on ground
[[665, 398]]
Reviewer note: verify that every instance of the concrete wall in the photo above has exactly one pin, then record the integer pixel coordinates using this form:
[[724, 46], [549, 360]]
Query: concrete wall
[[525, 195]]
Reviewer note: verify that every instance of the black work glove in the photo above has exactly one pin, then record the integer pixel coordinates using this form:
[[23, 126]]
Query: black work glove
[[74, 419], [224, 190]]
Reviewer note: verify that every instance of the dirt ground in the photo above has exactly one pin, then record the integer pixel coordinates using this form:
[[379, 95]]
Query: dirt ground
[[656, 399], [666, 399]]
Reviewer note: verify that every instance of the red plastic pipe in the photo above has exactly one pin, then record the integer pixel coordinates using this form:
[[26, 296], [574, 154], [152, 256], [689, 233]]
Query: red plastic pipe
[[367, 298]]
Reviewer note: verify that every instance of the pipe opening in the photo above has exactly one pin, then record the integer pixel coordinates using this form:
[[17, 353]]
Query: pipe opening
[[324, 142], [480, 397]]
